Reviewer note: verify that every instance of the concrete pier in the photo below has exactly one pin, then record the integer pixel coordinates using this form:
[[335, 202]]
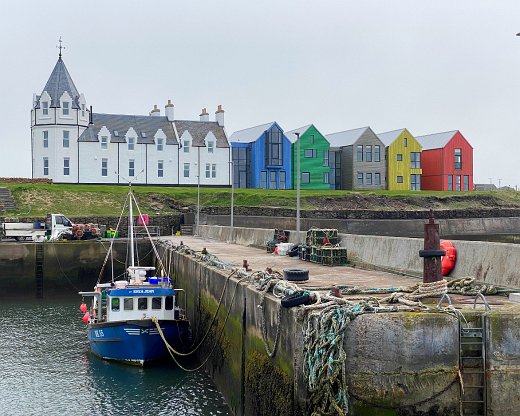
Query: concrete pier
[[398, 363]]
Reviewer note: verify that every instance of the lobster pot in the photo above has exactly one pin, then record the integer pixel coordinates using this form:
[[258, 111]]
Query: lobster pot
[[329, 256], [321, 236]]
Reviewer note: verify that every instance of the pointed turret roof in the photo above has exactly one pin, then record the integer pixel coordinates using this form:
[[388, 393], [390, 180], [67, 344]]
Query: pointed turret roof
[[59, 82]]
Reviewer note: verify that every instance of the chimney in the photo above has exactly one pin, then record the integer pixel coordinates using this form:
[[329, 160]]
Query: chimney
[[155, 112], [219, 116], [168, 110], [204, 115], [90, 117]]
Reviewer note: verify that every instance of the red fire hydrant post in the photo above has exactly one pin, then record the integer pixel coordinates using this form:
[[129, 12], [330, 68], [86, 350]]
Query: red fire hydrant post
[[432, 252]]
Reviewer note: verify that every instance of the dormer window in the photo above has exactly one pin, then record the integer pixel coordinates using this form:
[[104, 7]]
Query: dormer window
[[65, 108], [186, 145], [104, 142], [211, 146], [45, 108], [131, 142], [160, 145]]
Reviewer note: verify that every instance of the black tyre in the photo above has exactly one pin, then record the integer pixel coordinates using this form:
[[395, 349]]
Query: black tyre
[[296, 275], [296, 299]]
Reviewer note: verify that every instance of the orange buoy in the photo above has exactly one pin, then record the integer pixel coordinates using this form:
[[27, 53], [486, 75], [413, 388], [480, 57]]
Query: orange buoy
[[83, 307], [448, 260], [86, 317]]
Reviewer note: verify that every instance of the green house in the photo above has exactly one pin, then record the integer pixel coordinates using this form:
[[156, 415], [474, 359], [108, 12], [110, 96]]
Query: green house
[[313, 155]]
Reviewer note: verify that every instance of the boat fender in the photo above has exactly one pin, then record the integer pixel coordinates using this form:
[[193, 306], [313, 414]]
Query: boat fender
[[83, 307], [86, 317], [300, 297], [449, 259]]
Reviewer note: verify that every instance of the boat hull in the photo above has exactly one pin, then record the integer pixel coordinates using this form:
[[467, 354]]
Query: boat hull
[[137, 341]]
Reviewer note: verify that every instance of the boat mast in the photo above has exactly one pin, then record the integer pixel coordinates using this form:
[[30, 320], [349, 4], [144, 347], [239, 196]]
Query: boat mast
[[131, 227]]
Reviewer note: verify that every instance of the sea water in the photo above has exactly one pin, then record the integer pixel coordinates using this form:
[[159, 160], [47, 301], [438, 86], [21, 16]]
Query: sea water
[[46, 369]]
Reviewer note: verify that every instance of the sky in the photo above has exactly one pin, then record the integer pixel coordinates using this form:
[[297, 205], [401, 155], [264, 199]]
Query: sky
[[428, 66]]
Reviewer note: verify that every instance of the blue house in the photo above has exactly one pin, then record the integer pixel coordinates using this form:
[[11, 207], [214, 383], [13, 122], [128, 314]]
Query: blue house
[[261, 157]]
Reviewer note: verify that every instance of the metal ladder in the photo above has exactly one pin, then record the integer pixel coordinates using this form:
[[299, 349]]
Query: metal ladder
[[38, 270], [472, 361]]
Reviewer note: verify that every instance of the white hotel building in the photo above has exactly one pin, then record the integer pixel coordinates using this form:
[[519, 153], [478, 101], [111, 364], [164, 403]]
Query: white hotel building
[[70, 144]]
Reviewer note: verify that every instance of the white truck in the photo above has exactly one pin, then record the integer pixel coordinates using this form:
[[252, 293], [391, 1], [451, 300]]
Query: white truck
[[55, 227]]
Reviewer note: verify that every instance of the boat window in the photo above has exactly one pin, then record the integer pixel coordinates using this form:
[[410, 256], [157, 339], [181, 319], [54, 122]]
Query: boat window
[[168, 303], [156, 303], [128, 304], [142, 304], [115, 304]]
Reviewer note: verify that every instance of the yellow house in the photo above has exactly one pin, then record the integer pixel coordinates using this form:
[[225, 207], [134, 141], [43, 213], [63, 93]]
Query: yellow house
[[403, 160]]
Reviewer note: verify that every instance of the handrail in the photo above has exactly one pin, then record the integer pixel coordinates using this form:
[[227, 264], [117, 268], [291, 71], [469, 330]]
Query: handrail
[[479, 294]]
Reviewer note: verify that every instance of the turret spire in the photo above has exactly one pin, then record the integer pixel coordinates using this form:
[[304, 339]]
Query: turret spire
[[60, 47]]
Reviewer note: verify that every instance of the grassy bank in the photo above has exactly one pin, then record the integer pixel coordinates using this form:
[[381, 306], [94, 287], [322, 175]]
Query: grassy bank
[[101, 200]]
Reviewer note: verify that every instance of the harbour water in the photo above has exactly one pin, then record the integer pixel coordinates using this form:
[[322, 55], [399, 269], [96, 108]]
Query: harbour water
[[46, 368]]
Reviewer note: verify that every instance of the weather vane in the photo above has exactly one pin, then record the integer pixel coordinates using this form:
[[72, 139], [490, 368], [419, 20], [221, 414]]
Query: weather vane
[[60, 47]]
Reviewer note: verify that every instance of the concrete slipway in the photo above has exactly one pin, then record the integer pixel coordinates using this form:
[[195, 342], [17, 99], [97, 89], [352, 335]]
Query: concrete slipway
[[398, 363]]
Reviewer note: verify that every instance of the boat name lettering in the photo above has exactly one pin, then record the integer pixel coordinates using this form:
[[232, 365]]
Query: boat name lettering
[[143, 291], [98, 333]]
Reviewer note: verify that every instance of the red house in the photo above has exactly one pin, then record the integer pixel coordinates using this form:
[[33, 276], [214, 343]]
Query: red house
[[446, 162]]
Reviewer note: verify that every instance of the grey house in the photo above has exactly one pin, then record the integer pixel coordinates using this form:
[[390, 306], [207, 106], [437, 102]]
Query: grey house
[[362, 156]]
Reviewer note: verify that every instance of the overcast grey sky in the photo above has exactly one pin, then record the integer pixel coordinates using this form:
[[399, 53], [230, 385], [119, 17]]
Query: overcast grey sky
[[429, 66]]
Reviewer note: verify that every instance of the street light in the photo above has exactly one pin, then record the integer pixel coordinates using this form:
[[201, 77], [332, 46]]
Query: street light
[[297, 186], [198, 189], [232, 231]]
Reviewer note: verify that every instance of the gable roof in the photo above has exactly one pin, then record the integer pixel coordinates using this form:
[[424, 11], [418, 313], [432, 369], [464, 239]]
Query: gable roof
[[251, 134], [436, 140], [122, 123], [200, 129], [345, 138], [291, 135], [389, 137], [59, 82]]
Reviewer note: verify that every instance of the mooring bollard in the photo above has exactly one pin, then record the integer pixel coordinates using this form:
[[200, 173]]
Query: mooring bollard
[[432, 252]]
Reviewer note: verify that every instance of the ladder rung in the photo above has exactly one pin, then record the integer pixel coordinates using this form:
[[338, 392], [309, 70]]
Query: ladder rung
[[472, 401], [471, 357], [473, 387], [471, 343]]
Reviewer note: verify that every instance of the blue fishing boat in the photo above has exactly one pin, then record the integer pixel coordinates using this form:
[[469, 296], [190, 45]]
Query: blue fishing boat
[[135, 320]]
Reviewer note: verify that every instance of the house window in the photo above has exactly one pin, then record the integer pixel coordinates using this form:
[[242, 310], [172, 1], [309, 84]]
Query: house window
[[360, 178], [326, 158], [274, 148], [282, 179], [211, 147], [263, 179], [160, 145], [458, 158], [377, 153], [377, 178], [272, 180], [360, 153], [160, 168], [466, 182], [131, 143], [45, 139], [368, 153], [368, 179], [65, 138], [83, 110], [104, 142], [208, 170], [326, 177], [213, 170], [415, 182], [186, 146], [450, 182], [104, 167], [45, 108], [65, 108], [45, 166], [399, 157], [405, 142], [306, 177], [457, 182], [66, 166], [310, 153], [399, 179], [311, 139], [415, 160], [186, 170], [131, 167]]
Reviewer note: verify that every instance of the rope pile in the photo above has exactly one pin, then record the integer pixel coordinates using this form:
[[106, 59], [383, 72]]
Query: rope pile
[[467, 286]]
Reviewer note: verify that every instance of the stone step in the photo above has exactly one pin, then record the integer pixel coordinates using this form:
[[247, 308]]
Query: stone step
[[6, 200]]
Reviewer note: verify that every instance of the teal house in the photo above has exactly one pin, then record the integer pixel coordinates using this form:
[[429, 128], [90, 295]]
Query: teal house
[[314, 158]]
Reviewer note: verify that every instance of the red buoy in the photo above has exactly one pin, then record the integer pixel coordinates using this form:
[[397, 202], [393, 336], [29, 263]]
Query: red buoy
[[83, 307], [86, 317], [448, 261]]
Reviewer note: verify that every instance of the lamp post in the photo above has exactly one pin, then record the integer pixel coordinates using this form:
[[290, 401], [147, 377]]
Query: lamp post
[[198, 189], [297, 185], [232, 231]]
